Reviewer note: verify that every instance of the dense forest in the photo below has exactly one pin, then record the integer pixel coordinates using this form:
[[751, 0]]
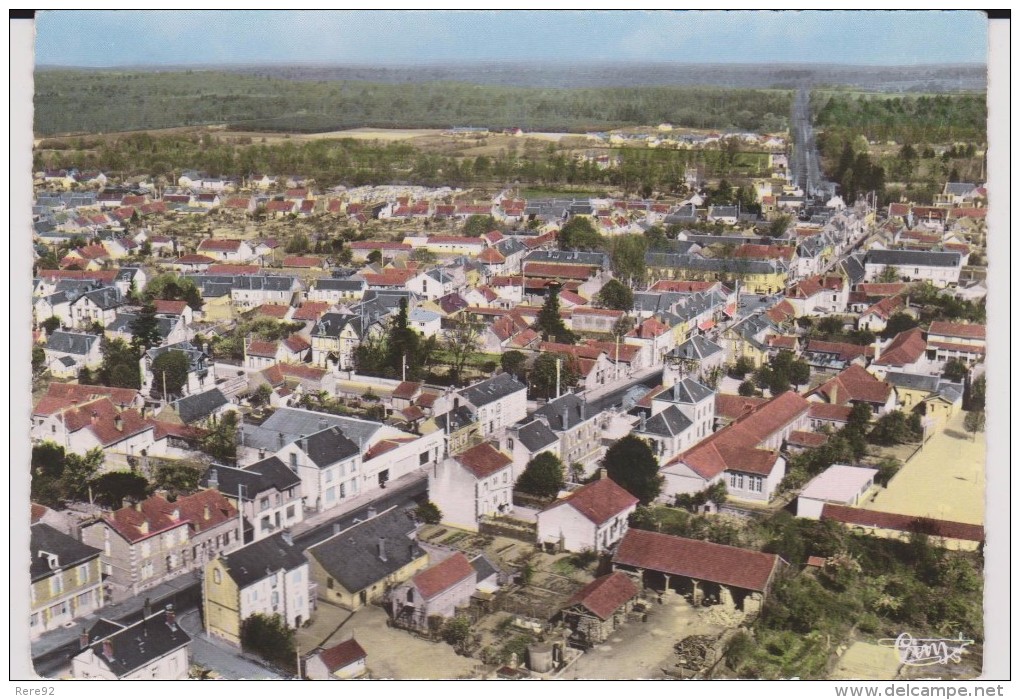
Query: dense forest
[[351, 162], [68, 101], [905, 119]]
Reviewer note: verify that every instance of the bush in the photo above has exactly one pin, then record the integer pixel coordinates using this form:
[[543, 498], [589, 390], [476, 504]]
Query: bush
[[428, 512], [543, 476], [746, 388], [271, 638]]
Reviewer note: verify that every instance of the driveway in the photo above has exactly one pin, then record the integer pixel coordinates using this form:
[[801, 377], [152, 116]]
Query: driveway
[[219, 656]]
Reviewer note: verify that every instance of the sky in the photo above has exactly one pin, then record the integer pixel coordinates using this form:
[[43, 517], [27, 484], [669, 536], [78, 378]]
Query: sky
[[134, 38]]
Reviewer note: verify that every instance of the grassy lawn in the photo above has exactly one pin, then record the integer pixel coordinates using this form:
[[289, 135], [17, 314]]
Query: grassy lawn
[[547, 193]]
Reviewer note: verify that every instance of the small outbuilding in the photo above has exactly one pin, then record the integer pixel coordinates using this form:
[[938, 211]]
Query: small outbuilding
[[839, 484], [595, 611], [340, 662]]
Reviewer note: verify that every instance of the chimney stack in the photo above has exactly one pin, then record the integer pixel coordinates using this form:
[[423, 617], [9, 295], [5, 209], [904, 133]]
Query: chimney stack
[[83, 641], [565, 418], [118, 423], [108, 649], [213, 478], [95, 417], [171, 617], [676, 391], [382, 549], [603, 474], [644, 420], [287, 537]]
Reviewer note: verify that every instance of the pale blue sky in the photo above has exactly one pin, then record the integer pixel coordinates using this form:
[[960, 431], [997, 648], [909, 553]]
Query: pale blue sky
[[113, 38]]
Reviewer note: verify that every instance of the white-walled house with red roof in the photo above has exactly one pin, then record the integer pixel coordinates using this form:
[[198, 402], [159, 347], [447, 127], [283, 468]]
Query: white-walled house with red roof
[[226, 250], [593, 518], [471, 485]]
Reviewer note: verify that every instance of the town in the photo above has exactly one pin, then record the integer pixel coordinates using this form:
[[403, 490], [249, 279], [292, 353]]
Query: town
[[284, 428]]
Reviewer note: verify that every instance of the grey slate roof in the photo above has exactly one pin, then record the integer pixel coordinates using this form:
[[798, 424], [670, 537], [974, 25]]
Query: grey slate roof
[[200, 406], [667, 423], [331, 325], [536, 435], [329, 446], [196, 358], [685, 391], [458, 418], [71, 343], [960, 189], [69, 551], [269, 283], [340, 284], [141, 644], [255, 561], [853, 266], [266, 475], [564, 413], [907, 258], [484, 568], [922, 382], [489, 390], [697, 346], [104, 298], [352, 556], [289, 424], [122, 324], [569, 257]]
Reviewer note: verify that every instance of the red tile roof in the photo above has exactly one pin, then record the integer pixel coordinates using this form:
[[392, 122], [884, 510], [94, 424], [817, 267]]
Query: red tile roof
[[905, 348], [163, 429], [303, 261], [704, 561], [491, 256], [194, 259], [230, 246], [559, 270], [38, 512], [406, 390], [732, 406], [93, 252], [605, 595], [388, 278], [600, 501], [341, 655], [443, 576], [262, 348], [829, 412], [885, 308], [844, 351], [754, 251], [310, 311], [378, 245], [174, 308], [882, 289], [87, 392], [302, 371], [272, 310], [786, 342], [100, 416], [854, 384], [806, 439], [735, 447], [233, 269], [807, 288], [782, 312], [199, 512], [280, 206], [973, 331], [295, 343], [903, 523], [483, 460]]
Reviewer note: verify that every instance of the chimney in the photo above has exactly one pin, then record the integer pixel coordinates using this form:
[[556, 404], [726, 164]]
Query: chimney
[[644, 420], [878, 349], [565, 418], [603, 474], [382, 549], [171, 617], [676, 391], [83, 641], [213, 479], [410, 550], [95, 417], [205, 512], [287, 537], [108, 649], [118, 423]]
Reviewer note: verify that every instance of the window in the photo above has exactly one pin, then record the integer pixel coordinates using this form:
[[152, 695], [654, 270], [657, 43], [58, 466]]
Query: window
[[57, 584], [297, 576], [293, 460], [83, 574], [265, 523], [329, 582], [264, 503], [423, 458], [276, 598], [737, 481], [290, 512], [330, 476], [331, 494], [755, 483]]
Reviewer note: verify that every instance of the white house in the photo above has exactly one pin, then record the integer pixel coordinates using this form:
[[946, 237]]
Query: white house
[[68, 353], [234, 251], [593, 518], [113, 651], [472, 484], [499, 402], [942, 269], [267, 493], [438, 591], [839, 484], [339, 662], [268, 577]]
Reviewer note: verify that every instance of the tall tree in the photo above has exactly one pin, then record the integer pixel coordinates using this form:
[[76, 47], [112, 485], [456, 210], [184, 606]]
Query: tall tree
[[549, 322], [627, 254], [221, 442], [542, 377], [170, 370], [145, 329], [579, 234], [615, 295], [631, 463], [479, 224], [515, 362], [543, 476], [460, 342]]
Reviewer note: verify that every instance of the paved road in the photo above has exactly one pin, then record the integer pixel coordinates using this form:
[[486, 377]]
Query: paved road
[[805, 166], [615, 398]]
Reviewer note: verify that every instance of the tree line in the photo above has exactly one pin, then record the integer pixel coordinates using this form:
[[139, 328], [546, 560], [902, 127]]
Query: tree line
[[68, 101]]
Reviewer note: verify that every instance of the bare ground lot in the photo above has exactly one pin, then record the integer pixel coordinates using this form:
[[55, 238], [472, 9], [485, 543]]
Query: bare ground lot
[[945, 480]]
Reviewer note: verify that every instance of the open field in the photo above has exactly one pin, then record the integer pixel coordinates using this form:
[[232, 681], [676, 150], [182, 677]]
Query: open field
[[867, 662], [945, 480]]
